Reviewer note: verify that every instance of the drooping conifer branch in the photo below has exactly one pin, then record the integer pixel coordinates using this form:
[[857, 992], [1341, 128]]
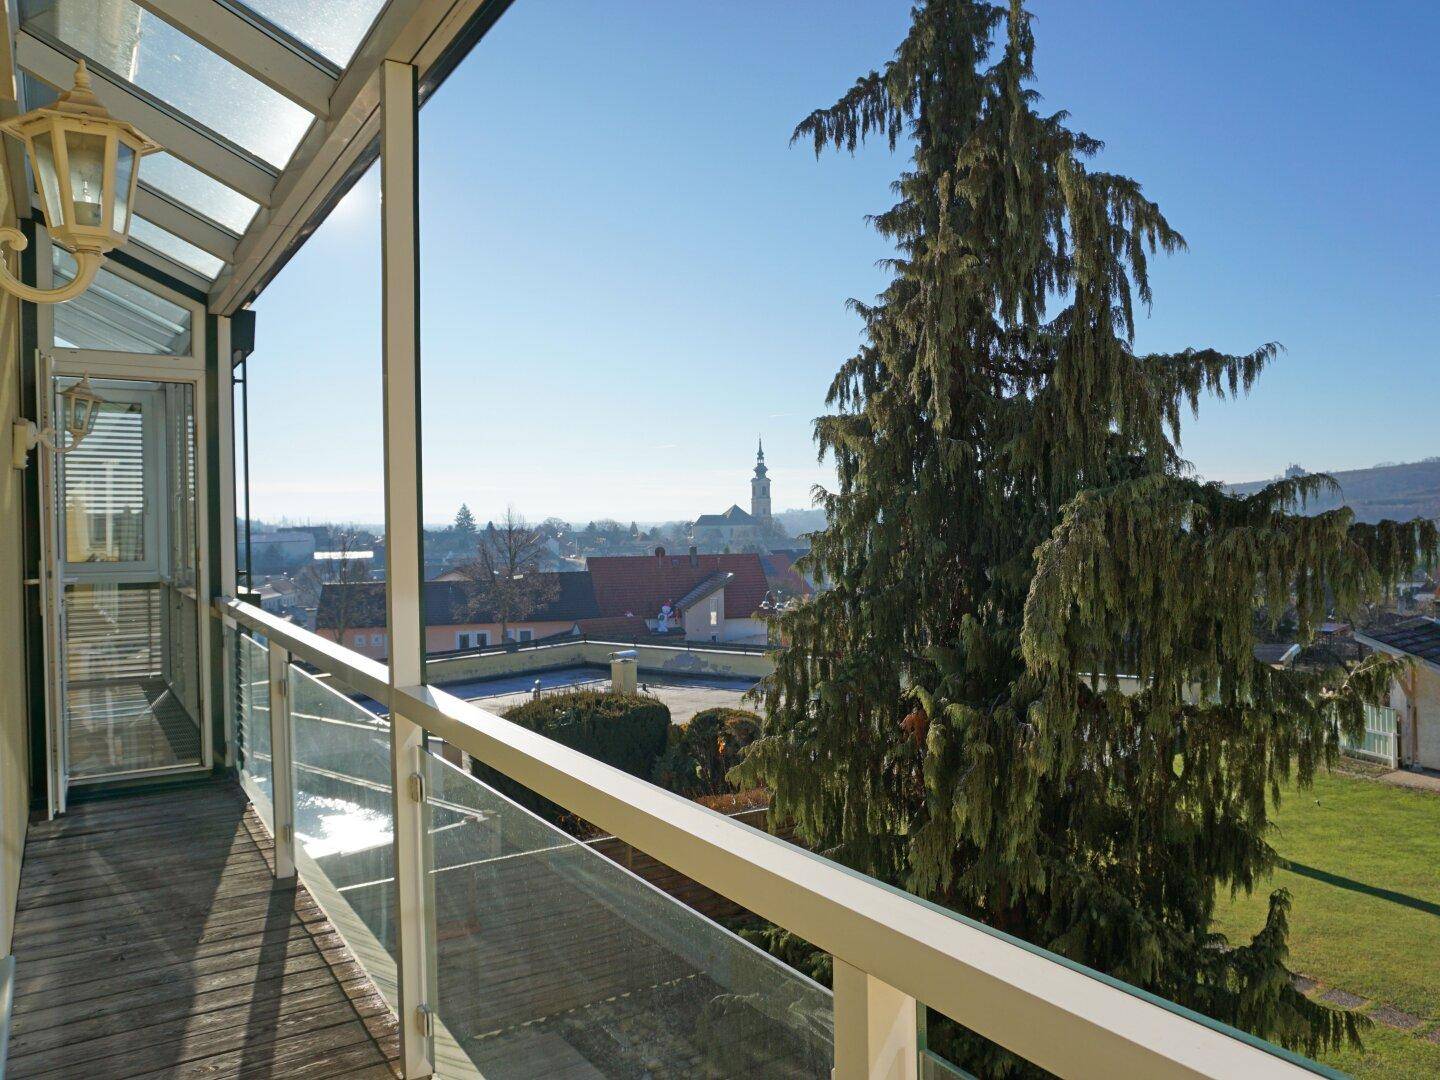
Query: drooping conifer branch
[[1012, 529]]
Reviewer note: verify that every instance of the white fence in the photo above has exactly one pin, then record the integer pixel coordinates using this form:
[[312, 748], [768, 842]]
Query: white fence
[[1381, 742]]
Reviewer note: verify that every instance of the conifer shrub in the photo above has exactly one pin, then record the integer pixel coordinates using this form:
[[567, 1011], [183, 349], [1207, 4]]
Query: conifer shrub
[[628, 731], [699, 753]]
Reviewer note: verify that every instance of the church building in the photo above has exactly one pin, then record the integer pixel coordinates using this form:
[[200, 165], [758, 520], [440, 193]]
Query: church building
[[734, 529]]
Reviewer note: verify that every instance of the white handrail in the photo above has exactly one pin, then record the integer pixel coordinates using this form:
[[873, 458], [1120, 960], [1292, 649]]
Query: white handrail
[[1062, 1017]]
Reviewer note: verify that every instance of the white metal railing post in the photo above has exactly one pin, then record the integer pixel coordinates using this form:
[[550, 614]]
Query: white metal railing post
[[876, 1037], [282, 771], [400, 278]]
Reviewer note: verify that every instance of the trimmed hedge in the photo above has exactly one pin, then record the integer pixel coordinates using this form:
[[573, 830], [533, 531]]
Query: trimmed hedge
[[699, 754], [628, 731]]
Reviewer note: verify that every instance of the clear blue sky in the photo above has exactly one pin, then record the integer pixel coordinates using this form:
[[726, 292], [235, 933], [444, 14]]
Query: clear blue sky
[[629, 274]]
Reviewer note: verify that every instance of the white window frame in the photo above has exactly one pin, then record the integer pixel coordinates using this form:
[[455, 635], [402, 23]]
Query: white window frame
[[142, 367]]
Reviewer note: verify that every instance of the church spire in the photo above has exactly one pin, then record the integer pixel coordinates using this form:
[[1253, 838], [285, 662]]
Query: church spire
[[760, 486]]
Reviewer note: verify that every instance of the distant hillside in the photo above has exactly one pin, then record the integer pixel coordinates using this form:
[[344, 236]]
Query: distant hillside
[[1399, 492], [799, 522]]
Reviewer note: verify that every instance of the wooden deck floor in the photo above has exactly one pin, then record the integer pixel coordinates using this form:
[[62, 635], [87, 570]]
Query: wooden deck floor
[[152, 940]]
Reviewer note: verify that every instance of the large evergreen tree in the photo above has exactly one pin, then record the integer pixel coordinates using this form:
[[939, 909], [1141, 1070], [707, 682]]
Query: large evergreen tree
[[1012, 527]]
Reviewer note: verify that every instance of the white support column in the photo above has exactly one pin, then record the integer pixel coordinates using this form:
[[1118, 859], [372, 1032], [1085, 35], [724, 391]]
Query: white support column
[[403, 544], [282, 771], [225, 494], [875, 1028]]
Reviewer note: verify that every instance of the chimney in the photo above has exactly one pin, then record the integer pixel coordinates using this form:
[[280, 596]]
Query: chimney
[[694, 555]]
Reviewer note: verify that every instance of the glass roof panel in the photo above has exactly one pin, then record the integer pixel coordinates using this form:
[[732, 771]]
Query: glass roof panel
[[333, 29], [190, 187], [169, 175], [117, 315], [150, 53], [173, 247]]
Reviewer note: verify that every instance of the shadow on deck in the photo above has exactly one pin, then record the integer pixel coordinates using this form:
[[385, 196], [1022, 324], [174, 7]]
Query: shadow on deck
[[152, 940]]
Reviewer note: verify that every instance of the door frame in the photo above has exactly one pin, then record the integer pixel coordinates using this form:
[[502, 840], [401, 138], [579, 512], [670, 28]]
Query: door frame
[[188, 369]]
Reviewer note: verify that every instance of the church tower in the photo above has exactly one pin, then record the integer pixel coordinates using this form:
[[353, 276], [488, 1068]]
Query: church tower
[[760, 488]]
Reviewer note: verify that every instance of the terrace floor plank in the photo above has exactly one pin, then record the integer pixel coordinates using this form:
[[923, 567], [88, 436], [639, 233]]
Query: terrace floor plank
[[151, 941]]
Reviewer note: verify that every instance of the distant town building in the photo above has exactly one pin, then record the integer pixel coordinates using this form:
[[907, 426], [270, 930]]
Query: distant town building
[[734, 528], [354, 615], [695, 597], [1415, 692]]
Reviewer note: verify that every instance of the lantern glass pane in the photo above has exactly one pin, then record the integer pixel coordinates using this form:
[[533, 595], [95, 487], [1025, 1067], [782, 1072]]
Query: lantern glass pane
[[79, 417], [124, 171], [86, 153], [48, 178]]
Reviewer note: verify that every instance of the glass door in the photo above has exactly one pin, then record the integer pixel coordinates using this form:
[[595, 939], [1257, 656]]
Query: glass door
[[128, 648]]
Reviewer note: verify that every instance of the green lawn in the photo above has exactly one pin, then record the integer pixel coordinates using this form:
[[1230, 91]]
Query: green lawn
[[1365, 881]]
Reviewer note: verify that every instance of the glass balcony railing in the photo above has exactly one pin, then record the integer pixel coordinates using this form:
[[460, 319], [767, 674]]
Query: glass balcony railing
[[542, 956], [548, 951], [249, 704]]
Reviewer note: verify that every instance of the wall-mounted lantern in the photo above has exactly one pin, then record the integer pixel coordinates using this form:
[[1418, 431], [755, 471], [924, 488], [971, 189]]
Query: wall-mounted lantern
[[86, 164], [79, 408]]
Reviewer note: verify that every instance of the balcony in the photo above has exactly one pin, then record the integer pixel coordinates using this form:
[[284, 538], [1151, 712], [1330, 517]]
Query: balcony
[[235, 868], [229, 929]]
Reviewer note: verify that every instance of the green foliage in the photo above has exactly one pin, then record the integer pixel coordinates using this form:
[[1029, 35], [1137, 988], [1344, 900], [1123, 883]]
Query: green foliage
[[699, 753], [628, 731], [464, 521], [1011, 510]]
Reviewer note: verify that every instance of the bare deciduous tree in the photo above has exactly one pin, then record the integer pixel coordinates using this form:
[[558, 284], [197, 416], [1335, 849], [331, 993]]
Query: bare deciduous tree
[[342, 566], [503, 581]]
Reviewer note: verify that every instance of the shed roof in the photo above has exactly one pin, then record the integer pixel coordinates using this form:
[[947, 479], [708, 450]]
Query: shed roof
[[1416, 637]]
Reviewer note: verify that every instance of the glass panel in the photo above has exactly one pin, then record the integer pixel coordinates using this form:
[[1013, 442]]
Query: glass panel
[[250, 705], [934, 1067], [124, 167], [550, 952], [124, 39], [49, 179], [116, 315], [104, 492], [168, 244], [172, 177], [343, 816], [85, 152], [124, 646], [334, 30]]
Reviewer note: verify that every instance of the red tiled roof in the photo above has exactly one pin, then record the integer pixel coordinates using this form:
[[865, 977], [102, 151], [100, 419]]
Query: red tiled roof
[[640, 584], [780, 568]]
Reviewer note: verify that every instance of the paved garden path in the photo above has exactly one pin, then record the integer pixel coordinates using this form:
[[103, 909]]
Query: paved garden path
[[1381, 1013]]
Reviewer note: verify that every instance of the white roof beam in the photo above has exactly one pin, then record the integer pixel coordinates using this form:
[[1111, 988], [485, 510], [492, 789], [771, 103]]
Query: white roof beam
[[411, 31], [176, 218], [166, 265], [180, 137], [280, 64]]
